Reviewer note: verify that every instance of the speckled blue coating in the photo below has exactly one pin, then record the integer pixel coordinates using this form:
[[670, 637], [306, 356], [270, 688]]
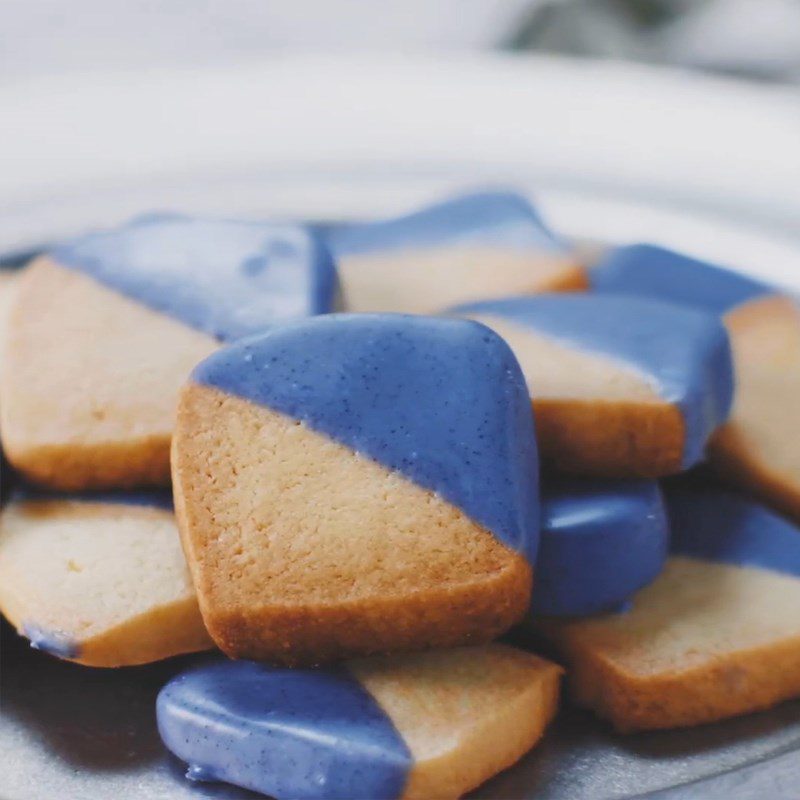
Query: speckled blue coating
[[52, 642], [600, 542], [156, 498], [716, 525], [441, 401], [650, 271], [494, 219], [226, 278], [684, 351], [290, 734]]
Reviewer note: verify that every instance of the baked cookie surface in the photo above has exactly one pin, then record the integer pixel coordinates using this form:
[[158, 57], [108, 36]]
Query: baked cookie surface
[[104, 331], [600, 542], [358, 483], [415, 726], [716, 635], [99, 579], [620, 386], [756, 448], [486, 244]]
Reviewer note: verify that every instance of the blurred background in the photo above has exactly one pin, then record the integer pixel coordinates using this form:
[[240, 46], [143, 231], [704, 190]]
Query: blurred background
[[608, 110], [754, 39]]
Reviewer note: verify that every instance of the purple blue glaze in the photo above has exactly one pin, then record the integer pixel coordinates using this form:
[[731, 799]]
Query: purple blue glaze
[[226, 278], [601, 541], [290, 734], [495, 219], [155, 498], [684, 351], [441, 401], [650, 271], [717, 525], [53, 642]]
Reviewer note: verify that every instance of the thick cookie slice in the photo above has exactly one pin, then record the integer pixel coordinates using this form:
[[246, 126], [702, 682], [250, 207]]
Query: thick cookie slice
[[601, 541], [356, 484], [414, 726], [480, 245], [105, 330], [757, 448], [98, 578], [621, 386], [718, 634]]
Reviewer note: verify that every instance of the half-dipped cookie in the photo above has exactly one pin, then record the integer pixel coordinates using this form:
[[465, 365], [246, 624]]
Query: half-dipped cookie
[[621, 386], [423, 725], [105, 329], [353, 484], [485, 244], [98, 578]]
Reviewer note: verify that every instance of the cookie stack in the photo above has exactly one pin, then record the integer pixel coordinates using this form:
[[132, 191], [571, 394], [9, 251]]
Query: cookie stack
[[389, 444]]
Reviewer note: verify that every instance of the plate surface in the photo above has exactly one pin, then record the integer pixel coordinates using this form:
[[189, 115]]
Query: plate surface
[[355, 140]]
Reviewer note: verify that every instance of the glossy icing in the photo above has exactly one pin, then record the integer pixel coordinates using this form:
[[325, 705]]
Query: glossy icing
[[441, 401], [155, 498], [52, 642], [685, 352], [493, 219], [651, 271], [600, 542], [225, 278], [286, 733], [717, 525]]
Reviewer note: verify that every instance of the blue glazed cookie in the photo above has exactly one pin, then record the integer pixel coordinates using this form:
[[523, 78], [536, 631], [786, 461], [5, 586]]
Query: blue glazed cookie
[[485, 244], [601, 541], [757, 448], [98, 578], [717, 634], [142, 304], [620, 386], [365, 483], [417, 726]]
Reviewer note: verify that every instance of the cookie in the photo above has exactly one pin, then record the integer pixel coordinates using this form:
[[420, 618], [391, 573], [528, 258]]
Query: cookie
[[105, 329], [99, 578], [756, 449], [621, 386], [355, 484], [716, 635], [600, 542], [480, 245], [414, 726]]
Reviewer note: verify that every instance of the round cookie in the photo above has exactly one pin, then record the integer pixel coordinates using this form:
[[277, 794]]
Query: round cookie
[[415, 726], [105, 329], [98, 578], [756, 449], [601, 541], [486, 244], [716, 635], [620, 386], [352, 484]]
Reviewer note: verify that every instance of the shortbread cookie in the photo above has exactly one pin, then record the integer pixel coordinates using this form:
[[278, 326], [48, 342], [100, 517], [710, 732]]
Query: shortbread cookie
[[718, 634], [620, 386], [757, 448], [98, 578], [355, 484], [601, 541], [480, 245], [430, 725], [105, 330]]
